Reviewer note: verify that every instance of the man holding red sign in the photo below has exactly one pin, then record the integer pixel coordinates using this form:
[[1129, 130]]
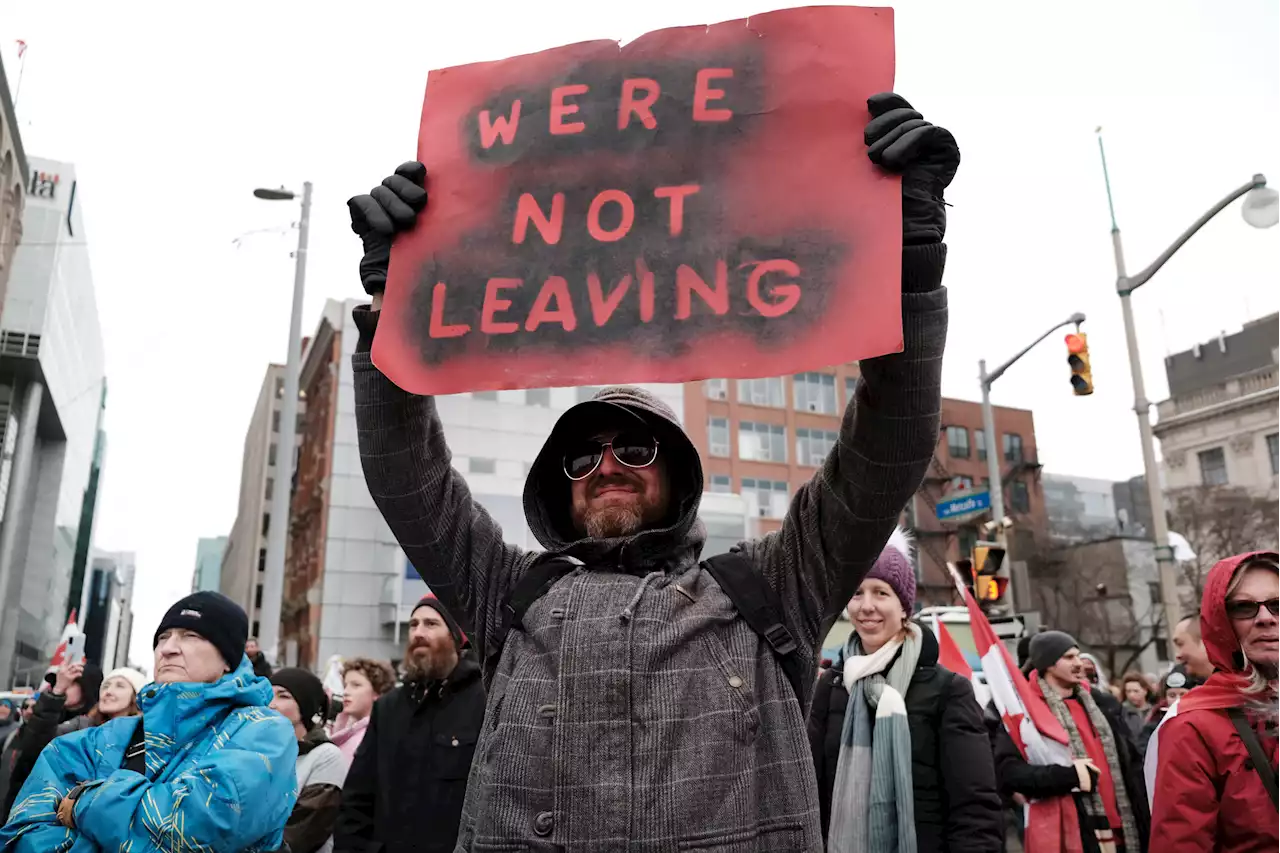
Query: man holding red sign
[[640, 699]]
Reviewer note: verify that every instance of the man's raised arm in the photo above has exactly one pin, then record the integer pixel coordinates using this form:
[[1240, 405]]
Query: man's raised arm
[[448, 537], [839, 521]]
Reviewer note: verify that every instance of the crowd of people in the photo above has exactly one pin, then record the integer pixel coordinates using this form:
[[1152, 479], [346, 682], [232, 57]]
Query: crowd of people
[[617, 692]]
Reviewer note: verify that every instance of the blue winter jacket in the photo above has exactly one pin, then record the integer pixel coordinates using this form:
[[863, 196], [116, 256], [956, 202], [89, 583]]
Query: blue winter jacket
[[219, 777]]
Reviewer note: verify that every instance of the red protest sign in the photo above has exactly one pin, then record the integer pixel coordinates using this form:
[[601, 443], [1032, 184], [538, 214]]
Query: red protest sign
[[695, 203]]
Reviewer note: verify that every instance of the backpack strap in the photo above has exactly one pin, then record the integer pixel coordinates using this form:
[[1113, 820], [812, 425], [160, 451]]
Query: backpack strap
[[135, 754], [1261, 764], [759, 606], [531, 586]]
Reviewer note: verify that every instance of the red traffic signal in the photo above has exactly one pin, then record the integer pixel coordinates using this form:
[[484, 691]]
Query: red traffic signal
[[1076, 344]]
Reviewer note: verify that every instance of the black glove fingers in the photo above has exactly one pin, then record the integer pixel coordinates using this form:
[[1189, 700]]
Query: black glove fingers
[[883, 102], [881, 125], [414, 171], [402, 215], [907, 146], [879, 152], [410, 193], [368, 217]]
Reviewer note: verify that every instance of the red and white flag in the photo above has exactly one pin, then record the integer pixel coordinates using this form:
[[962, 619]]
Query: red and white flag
[[22, 47], [68, 631], [1039, 736], [950, 656]]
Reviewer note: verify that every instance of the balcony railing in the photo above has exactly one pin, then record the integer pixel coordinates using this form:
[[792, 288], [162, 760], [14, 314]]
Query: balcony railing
[[1224, 392]]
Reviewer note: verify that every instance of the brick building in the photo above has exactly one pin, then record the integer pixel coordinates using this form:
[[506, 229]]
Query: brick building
[[764, 438]]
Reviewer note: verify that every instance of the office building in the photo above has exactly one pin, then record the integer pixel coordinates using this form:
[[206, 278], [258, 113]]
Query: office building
[[208, 573], [244, 563], [1080, 509], [51, 393], [106, 616], [764, 438], [349, 588], [1219, 427]]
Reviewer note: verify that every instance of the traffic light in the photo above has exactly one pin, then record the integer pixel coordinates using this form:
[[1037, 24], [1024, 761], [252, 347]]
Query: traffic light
[[989, 585], [1078, 359]]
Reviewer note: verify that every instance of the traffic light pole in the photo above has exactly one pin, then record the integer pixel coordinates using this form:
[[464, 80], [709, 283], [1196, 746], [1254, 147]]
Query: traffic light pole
[[1125, 286]]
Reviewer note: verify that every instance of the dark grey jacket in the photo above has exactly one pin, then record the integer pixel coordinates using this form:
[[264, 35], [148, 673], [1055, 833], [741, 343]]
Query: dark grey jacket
[[637, 711]]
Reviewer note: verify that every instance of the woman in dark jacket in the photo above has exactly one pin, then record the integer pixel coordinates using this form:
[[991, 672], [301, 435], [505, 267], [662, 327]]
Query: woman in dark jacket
[[954, 804]]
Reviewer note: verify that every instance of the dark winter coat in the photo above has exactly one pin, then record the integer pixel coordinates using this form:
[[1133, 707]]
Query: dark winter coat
[[1037, 782], [261, 666], [406, 784], [636, 703], [50, 718], [953, 779]]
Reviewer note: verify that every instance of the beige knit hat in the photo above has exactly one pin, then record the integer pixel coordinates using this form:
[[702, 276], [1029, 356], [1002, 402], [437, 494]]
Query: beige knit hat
[[131, 675]]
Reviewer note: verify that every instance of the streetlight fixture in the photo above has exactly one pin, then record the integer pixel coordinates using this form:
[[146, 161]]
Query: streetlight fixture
[[278, 531], [1261, 209]]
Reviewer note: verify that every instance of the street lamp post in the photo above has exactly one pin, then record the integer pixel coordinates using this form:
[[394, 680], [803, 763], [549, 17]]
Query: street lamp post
[[278, 531], [1261, 210]]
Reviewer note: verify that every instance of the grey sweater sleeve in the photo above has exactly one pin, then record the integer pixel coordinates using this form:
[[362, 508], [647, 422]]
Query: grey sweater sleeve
[[838, 522], [450, 539]]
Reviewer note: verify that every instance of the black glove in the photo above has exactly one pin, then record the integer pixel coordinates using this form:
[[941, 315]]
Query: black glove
[[387, 210], [900, 140]]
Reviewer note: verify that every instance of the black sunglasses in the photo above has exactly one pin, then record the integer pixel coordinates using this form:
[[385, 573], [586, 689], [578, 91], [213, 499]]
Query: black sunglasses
[[1249, 609], [632, 449]]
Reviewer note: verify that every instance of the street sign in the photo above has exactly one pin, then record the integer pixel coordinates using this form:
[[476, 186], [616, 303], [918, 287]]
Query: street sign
[[963, 505]]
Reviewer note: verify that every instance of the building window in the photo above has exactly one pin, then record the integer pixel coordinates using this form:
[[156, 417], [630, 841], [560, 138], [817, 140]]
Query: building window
[[275, 421], [958, 442], [816, 392], [1213, 467], [966, 538], [485, 395], [718, 436], [1019, 497], [266, 523], [271, 487], [715, 389], [771, 496], [256, 632], [538, 397], [480, 465], [762, 392], [721, 484], [279, 387], [262, 559], [850, 388], [1273, 447], [586, 392], [762, 442], [980, 443], [1012, 447], [814, 445], [271, 454], [257, 597]]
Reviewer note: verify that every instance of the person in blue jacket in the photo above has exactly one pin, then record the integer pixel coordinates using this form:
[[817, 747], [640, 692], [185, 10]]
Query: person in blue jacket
[[209, 767]]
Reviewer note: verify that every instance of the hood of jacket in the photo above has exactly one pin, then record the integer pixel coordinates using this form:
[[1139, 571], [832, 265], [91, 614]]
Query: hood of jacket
[[547, 490], [180, 710], [1215, 626]]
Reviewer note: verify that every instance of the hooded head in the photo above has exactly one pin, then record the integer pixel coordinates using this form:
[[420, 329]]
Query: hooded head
[[639, 515], [1233, 673]]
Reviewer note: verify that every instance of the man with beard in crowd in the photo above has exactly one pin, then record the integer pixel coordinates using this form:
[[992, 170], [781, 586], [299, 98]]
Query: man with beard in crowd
[[408, 778]]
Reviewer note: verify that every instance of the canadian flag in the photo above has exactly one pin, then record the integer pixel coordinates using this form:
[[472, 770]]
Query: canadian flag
[[68, 631], [950, 656], [1035, 730]]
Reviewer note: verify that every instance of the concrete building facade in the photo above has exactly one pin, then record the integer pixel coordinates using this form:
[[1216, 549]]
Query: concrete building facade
[[1219, 427], [14, 174], [107, 611], [764, 438], [245, 560], [1080, 509], [51, 393], [208, 573]]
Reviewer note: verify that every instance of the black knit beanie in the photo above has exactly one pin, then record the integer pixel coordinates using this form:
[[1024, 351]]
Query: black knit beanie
[[306, 690], [455, 631], [1048, 647], [213, 616]]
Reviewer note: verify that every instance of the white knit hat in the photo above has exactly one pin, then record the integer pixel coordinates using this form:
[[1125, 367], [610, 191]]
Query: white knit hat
[[135, 678]]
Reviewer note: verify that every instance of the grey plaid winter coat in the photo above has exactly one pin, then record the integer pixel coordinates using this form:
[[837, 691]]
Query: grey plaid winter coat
[[636, 711]]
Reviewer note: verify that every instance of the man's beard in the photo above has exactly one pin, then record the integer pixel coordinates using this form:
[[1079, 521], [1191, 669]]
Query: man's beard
[[424, 663], [613, 521]]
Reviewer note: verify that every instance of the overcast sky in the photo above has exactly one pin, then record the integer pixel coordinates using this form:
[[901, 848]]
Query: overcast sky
[[173, 116]]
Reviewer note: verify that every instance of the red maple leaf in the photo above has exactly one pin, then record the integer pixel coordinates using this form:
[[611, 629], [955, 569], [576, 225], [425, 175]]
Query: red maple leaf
[[1013, 724]]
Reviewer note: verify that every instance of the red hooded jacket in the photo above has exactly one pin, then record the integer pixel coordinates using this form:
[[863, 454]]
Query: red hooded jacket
[[1207, 795]]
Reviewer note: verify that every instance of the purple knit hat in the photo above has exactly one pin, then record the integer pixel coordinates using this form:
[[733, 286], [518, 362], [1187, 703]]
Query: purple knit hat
[[893, 566]]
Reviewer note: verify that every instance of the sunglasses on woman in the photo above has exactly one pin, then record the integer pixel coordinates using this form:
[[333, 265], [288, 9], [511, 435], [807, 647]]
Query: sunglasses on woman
[[632, 449], [1249, 609]]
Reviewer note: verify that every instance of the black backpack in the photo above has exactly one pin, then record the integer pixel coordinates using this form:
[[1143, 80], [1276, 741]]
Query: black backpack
[[751, 595]]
